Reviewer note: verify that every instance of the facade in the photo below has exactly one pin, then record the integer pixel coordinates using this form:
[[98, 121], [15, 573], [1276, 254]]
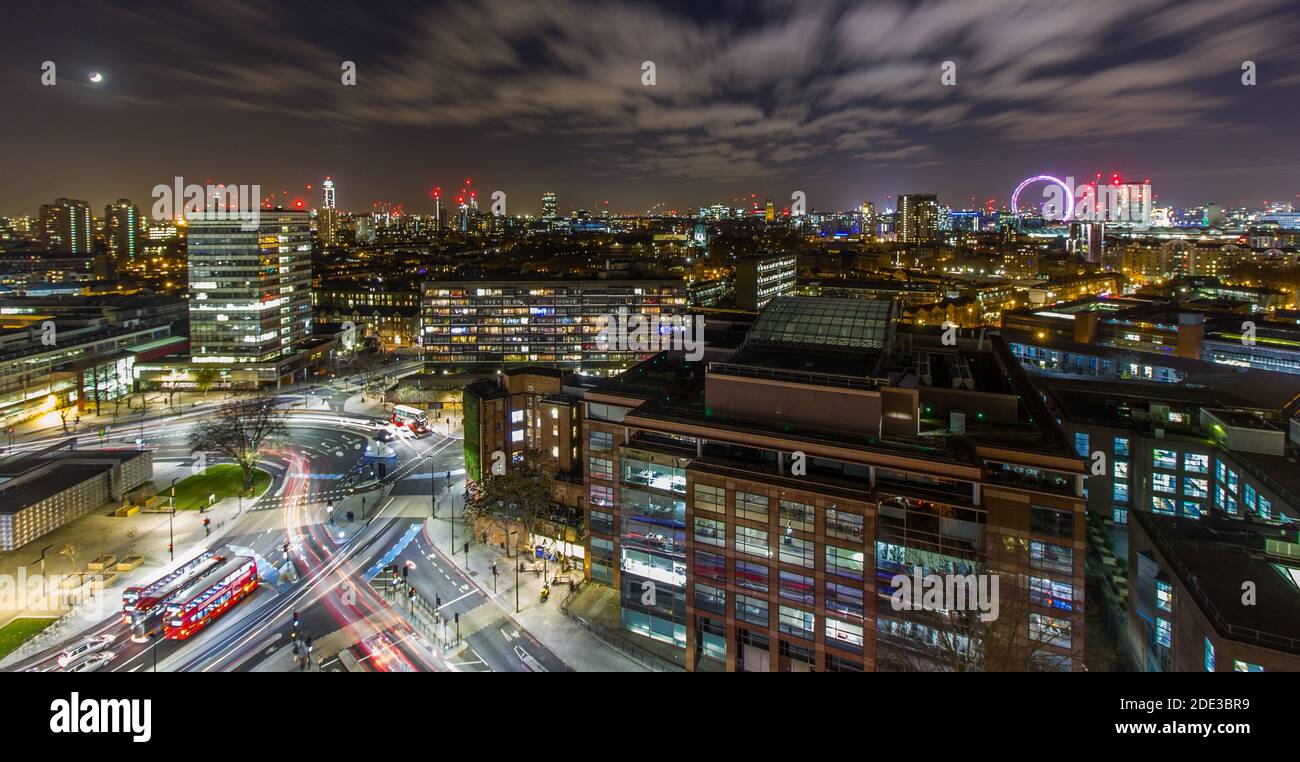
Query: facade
[[720, 545], [43, 491], [1186, 611], [123, 230], [66, 227], [763, 277], [88, 366], [548, 206], [484, 325], [249, 289], [918, 218]]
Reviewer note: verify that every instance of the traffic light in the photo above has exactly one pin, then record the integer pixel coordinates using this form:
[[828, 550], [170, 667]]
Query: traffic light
[[437, 601], [467, 548], [406, 572], [169, 547]]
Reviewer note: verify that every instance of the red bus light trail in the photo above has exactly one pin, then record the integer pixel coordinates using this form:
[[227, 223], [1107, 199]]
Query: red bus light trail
[[196, 606]]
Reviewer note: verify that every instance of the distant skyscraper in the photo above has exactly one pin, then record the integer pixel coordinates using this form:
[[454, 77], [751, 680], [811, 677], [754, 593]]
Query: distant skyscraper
[[328, 187], [327, 225], [1134, 203], [769, 211], [868, 219], [122, 230], [250, 290], [548, 206], [918, 218], [65, 227]]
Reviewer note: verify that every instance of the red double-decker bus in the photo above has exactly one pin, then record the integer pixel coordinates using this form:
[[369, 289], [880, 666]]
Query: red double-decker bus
[[200, 603], [142, 605]]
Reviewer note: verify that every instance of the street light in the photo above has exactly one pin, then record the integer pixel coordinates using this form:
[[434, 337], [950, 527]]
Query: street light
[[171, 516], [515, 534]]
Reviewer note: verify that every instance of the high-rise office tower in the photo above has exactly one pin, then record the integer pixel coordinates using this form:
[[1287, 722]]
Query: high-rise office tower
[[328, 189], [327, 225], [122, 230], [250, 290], [918, 218], [66, 227], [548, 206]]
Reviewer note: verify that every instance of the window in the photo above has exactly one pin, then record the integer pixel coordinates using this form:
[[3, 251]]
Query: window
[[1164, 596], [844, 525], [1196, 463], [601, 468], [1165, 459], [1081, 444], [1209, 656], [710, 532], [517, 436], [797, 587], [516, 416], [602, 522], [752, 610], [1050, 593], [752, 506], [1244, 666], [710, 566], [600, 441], [710, 598], [1194, 487], [795, 515], [843, 634], [751, 576], [844, 561], [1046, 629], [1165, 506], [844, 599], [602, 496], [1119, 515], [795, 621], [1121, 447], [1191, 509], [752, 541], [1163, 483], [1121, 469], [797, 552], [1051, 521], [1248, 496], [1121, 492], [1044, 555], [710, 498], [1164, 633], [1265, 507]]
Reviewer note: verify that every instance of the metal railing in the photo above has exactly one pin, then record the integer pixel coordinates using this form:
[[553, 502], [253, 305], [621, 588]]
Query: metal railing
[[640, 655]]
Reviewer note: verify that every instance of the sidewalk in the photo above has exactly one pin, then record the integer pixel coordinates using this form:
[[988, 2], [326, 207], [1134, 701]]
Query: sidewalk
[[576, 647]]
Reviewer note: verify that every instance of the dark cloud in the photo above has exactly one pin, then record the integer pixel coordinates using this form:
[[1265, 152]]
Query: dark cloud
[[766, 93]]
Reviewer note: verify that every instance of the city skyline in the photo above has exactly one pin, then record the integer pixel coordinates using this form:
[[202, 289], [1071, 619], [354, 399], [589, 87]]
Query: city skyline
[[778, 98]]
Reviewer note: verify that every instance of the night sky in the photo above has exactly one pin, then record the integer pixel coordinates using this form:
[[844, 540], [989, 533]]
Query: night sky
[[842, 101]]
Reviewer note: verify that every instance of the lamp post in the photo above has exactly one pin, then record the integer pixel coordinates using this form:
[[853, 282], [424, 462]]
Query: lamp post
[[171, 517], [515, 534]]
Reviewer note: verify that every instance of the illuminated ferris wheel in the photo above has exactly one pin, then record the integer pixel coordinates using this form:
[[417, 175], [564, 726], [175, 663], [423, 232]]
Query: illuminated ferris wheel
[[1048, 211]]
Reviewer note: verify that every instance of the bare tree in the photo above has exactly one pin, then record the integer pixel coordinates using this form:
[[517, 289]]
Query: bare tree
[[524, 493], [240, 430]]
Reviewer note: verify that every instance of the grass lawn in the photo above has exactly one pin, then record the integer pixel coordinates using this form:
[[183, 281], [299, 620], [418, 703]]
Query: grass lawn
[[19, 630], [220, 480]]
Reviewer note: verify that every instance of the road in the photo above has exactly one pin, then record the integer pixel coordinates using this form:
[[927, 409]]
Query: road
[[323, 577]]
